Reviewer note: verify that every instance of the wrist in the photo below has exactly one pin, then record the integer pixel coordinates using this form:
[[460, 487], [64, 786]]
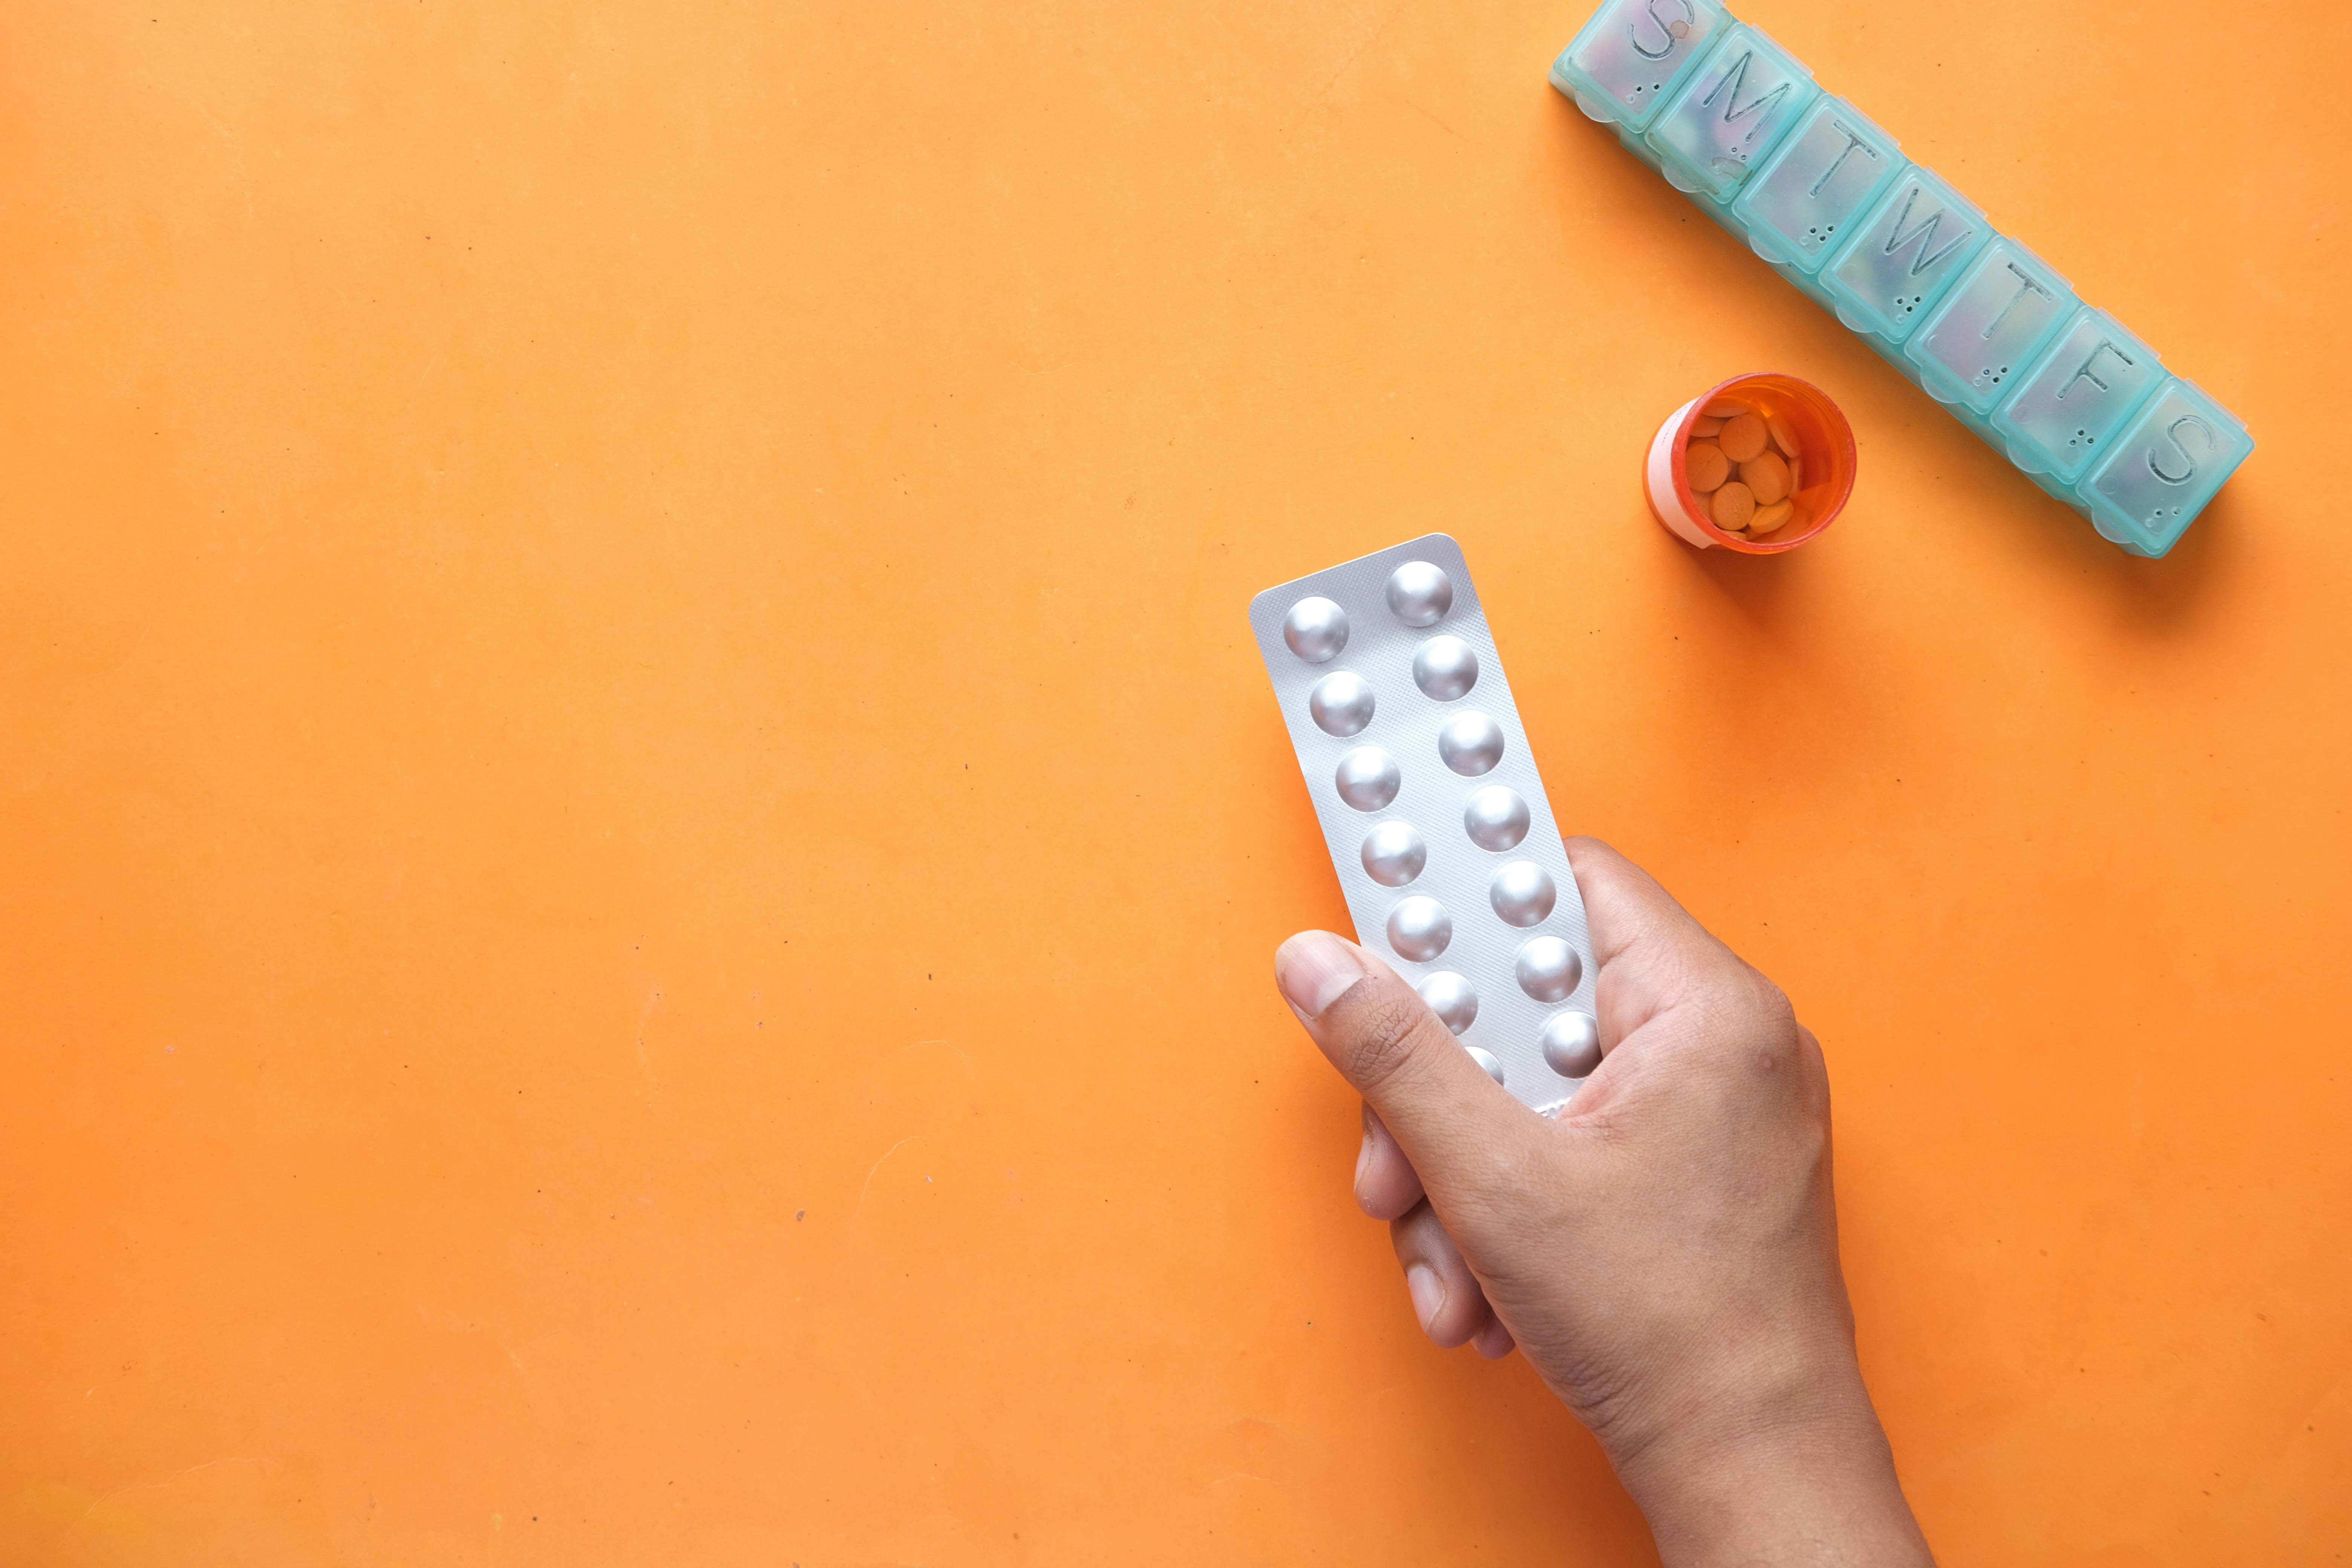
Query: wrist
[[1791, 1468]]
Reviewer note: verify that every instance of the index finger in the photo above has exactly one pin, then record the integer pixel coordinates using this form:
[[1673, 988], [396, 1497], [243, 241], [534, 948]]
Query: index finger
[[1647, 946], [1624, 909]]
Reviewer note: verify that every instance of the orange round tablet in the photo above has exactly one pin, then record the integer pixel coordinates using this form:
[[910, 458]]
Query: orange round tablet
[[1733, 505], [1768, 518], [1705, 466], [1767, 475], [1742, 438]]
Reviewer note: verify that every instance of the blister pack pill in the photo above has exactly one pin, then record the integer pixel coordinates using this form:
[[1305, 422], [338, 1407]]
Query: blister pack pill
[[1432, 808]]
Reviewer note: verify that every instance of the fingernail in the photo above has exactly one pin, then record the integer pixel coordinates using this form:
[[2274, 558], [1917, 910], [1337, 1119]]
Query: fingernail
[[1364, 1164], [1314, 969], [1428, 1293]]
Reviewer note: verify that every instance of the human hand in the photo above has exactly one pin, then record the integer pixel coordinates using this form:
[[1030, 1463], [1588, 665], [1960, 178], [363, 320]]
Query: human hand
[[1664, 1252]]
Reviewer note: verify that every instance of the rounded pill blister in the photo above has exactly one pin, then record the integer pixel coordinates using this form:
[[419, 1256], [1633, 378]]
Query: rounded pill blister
[[1486, 1061], [1495, 818], [1419, 928], [1316, 629], [1471, 743], [1368, 778], [1420, 594], [1445, 669], [1395, 854], [1449, 997], [1341, 703], [1571, 1044], [1522, 893], [1548, 969]]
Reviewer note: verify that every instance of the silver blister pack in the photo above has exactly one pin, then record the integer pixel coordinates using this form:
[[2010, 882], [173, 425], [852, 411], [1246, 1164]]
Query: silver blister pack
[[1430, 801]]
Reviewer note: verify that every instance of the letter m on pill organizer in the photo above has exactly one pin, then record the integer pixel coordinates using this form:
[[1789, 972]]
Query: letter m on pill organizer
[[1967, 314], [1754, 110]]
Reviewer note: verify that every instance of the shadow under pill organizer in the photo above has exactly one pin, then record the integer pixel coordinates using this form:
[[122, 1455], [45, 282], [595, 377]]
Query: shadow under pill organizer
[[1971, 316]]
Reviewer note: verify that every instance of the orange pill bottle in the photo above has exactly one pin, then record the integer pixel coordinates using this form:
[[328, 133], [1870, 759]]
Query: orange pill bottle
[[1824, 459]]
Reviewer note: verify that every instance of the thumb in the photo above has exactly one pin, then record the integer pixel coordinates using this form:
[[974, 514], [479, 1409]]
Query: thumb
[[1461, 1131]]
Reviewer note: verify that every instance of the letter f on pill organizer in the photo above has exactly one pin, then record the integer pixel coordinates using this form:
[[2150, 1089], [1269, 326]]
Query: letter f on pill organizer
[[1431, 808]]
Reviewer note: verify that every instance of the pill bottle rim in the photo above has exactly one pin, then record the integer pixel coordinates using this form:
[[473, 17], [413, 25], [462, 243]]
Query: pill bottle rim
[[1836, 432]]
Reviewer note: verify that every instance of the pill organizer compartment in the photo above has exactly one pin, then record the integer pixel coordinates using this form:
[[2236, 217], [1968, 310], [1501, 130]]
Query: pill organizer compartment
[[1975, 343], [2165, 468], [1801, 198], [2065, 414], [1920, 235], [1629, 58], [1731, 111]]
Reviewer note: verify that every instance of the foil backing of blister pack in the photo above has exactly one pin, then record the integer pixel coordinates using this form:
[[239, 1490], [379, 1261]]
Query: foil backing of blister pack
[[1431, 804]]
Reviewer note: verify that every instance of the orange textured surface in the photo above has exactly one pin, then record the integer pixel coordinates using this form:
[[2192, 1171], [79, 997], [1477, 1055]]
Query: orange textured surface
[[624, 624]]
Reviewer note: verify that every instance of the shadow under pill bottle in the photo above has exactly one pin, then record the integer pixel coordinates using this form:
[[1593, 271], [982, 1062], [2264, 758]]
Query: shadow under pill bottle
[[1757, 464]]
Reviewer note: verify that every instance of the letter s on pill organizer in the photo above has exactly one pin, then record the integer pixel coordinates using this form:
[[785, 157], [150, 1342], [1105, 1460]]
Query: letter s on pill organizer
[[1971, 316], [1431, 808]]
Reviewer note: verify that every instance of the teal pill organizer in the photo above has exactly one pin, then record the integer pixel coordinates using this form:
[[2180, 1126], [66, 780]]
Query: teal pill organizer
[[1977, 321]]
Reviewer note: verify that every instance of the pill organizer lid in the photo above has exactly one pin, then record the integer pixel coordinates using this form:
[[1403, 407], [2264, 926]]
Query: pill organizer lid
[[1974, 346], [2071, 404], [1731, 113], [2177, 452], [1903, 253], [1628, 58], [1822, 175]]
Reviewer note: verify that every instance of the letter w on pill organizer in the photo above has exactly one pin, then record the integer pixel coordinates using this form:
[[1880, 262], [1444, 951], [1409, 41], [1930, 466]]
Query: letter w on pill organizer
[[1970, 315]]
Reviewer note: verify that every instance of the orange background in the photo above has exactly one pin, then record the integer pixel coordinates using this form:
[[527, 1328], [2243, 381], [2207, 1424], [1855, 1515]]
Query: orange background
[[624, 624]]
